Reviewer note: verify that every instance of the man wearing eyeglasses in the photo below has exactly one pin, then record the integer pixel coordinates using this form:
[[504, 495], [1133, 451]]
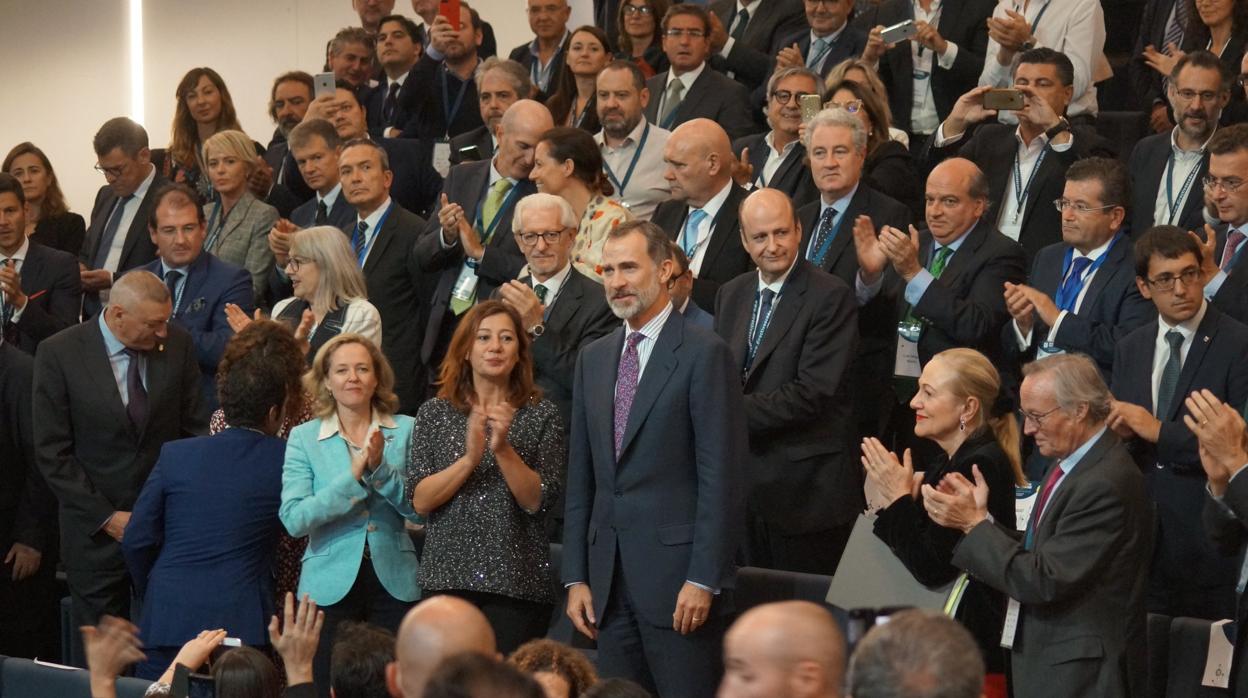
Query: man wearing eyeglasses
[[777, 159], [691, 89], [117, 238], [1225, 271], [1081, 295], [1166, 168], [1191, 346]]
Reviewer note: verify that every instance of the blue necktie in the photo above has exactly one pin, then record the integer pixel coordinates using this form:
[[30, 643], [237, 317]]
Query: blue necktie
[[689, 238], [1070, 287], [822, 231]]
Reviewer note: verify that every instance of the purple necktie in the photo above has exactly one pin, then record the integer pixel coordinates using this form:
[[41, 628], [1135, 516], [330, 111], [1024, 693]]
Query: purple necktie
[[626, 387], [137, 407]]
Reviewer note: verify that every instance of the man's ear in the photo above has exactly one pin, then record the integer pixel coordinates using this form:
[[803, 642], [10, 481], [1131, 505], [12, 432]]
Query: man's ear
[[392, 680]]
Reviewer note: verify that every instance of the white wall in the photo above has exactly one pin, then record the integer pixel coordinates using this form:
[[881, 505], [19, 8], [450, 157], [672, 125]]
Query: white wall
[[69, 71]]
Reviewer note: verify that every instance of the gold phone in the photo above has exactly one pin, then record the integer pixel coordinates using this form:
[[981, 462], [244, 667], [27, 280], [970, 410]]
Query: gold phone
[[811, 105], [1004, 100]]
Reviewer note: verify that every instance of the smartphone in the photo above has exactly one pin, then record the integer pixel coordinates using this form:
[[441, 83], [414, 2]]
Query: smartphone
[[188, 685], [324, 84], [899, 32], [811, 105], [450, 10], [1003, 100], [470, 153]]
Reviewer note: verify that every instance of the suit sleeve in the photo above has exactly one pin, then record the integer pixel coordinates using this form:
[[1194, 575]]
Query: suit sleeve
[[1223, 526], [145, 534], [558, 349], [969, 63], [429, 251], [210, 343], [1100, 339], [1176, 443], [195, 413], [36, 508], [579, 499], [734, 112], [259, 258], [499, 264], [64, 302], [973, 320]]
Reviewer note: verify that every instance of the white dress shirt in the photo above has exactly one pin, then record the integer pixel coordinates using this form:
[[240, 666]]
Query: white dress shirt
[[1183, 167], [923, 116], [1161, 348], [687, 80], [128, 213], [750, 7], [774, 158], [373, 220], [650, 332], [18, 258]]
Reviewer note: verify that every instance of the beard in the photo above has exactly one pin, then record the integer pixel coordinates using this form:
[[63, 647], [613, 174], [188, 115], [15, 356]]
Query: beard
[[629, 308], [619, 127]]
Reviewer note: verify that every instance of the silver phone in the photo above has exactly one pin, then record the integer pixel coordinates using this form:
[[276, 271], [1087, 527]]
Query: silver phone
[[900, 31]]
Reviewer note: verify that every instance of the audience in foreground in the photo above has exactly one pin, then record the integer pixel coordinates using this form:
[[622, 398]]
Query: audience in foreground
[[787, 649], [436, 628], [917, 654]]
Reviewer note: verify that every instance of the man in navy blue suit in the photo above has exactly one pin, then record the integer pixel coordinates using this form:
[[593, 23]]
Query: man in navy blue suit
[[200, 285], [655, 503]]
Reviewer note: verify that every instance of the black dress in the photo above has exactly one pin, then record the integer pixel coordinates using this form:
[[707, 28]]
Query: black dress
[[926, 548], [64, 232]]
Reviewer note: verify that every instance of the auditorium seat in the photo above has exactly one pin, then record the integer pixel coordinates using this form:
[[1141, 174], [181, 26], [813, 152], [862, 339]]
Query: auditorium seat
[[22, 678], [1158, 634], [1124, 129], [1189, 647]]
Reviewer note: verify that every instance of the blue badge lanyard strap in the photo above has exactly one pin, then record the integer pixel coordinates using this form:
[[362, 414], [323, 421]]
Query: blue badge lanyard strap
[[177, 297], [477, 222], [1172, 204], [214, 229], [1065, 302], [751, 339], [620, 186], [368, 243], [1036, 22], [1021, 192], [449, 111]]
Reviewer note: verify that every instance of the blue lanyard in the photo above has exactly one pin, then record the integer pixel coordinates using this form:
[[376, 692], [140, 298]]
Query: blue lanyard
[[214, 230], [447, 110], [1020, 192], [827, 240], [488, 232], [1171, 203], [1036, 22], [368, 243], [1068, 303], [755, 341], [628, 176]]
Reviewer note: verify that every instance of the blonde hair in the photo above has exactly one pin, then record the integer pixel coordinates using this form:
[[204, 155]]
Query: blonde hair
[[972, 376], [341, 280], [323, 404], [231, 142]]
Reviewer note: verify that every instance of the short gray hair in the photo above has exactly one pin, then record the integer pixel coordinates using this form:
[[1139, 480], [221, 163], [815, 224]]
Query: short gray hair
[[795, 71], [365, 142], [1076, 381], [137, 286], [541, 200], [917, 654], [837, 117], [515, 74]]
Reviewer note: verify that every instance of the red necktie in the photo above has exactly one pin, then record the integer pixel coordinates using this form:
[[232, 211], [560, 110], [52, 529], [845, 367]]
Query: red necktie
[[1055, 476]]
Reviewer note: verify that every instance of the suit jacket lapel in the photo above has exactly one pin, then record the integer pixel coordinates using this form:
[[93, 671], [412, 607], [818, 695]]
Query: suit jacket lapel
[[138, 227], [1204, 336], [759, 152], [157, 380], [381, 242], [568, 300], [843, 241], [196, 276], [791, 161], [1048, 169], [962, 259], [95, 358], [791, 299], [1109, 269], [659, 368], [235, 219], [691, 98], [725, 219]]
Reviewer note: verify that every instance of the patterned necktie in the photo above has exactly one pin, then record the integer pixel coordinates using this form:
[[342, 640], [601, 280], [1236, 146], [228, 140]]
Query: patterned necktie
[[942, 258], [1174, 30], [1169, 374], [817, 49], [1070, 287], [322, 213], [816, 253], [541, 290], [110, 231], [760, 325], [490, 209], [689, 237], [675, 93], [171, 280], [1233, 241], [626, 386], [1042, 501], [743, 19], [357, 240], [136, 409]]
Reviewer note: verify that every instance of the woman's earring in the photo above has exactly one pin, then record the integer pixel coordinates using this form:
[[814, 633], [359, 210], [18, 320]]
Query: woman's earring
[[961, 423]]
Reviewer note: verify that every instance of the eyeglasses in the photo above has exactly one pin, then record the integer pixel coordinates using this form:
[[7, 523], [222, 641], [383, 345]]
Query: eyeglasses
[[816, 3], [293, 263], [638, 10], [113, 172], [783, 96], [1035, 417], [1189, 95], [691, 33], [1078, 206], [1227, 184], [1165, 282], [530, 239], [853, 106], [1242, 80]]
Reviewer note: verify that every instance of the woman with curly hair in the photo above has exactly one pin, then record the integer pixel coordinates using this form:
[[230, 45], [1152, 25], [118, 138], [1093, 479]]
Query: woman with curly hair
[[204, 107], [202, 535], [484, 468], [561, 671], [48, 218]]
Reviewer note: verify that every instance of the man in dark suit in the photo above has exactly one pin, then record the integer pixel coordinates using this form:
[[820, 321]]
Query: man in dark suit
[[108, 394], [680, 288], [701, 216], [755, 31], [691, 89], [950, 58], [28, 594], [383, 239], [545, 55], [945, 283], [499, 85], [793, 330], [777, 159], [827, 39], [277, 181], [1076, 578], [1081, 295], [468, 249], [398, 49], [1167, 168], [200, 285], [563, 310], [445, 95], [40, 293], [117, 238], [838, 149], [1163, 22], [1025, 165], [1191, 346], [654, 493], [1223, 258]]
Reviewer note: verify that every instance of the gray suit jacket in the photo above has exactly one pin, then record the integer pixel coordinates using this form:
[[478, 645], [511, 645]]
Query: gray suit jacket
[[244, 240], [1082, 583], [670, 509]]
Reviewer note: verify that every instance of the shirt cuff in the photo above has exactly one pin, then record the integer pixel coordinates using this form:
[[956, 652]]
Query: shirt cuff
[[1211, 288], [1024, 340], [433, 52], [442, 240], [864, 292], [1061, 315], [17, 312], [918, 286], [1063, 147], [950, 55], [703, 587], [942, 141], [569, 585]]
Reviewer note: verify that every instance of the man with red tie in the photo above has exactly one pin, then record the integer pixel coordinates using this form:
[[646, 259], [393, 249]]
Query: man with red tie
[[1223, 264]]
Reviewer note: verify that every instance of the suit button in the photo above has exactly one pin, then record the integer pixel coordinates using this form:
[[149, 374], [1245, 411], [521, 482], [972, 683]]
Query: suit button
[[372, 527], [364, 514]]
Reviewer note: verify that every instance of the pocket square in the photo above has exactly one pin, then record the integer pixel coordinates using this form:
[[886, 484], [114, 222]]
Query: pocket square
[[197, 305]]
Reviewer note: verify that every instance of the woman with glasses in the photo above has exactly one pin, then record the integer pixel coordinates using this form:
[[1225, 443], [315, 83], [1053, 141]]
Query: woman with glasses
[[861, 72], [639, 35], [568, 164], [48, 218], [574, 103], [959, 406], [238, 223], [485, 468], [889, 167]]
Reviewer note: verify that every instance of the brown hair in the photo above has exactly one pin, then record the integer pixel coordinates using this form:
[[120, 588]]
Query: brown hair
[[974, 376], [184, 137], [624, 41], [877, 110], [556, 658], [575, 144], [259, 370], [180, 195], [455, 377], [323, 404], [54, 200]]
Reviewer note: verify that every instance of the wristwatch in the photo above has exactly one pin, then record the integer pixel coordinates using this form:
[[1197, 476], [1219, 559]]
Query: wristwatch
[[537, 330], [1062, 125], [1028, 45]]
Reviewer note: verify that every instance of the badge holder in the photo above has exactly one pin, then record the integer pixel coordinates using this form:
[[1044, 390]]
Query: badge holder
[[906, 366], [442, 157]]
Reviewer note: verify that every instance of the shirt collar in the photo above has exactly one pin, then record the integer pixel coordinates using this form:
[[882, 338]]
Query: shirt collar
[[748, 7], [330, 425], [1036, 145], [20, 255], [331, 198], [770, 140], [712, 207], [141, 192], [554, 283], [651, 329], [111, 344], [1068, 463], [1187, 328], [495, 175], [830, 38], [400, 80], [777, 285], [840, 204], [533, 47], [165, 268], [1174, 143], [956, 243], [1096, 253], [687, 79], [375, 217]]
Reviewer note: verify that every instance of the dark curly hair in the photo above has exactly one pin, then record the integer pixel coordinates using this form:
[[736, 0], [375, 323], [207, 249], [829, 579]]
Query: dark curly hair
[[259, 370], [556, 658]]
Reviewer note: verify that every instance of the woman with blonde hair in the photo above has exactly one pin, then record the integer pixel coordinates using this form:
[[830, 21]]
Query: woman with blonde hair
[[861, 72], [960, 407], [238, 223], [48, 218], [204, 107], [342, 486]]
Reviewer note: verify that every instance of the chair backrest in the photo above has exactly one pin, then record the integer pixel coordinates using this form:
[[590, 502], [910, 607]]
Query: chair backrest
[[1124, 129], [1189, 648], [23, 678], [1158, 633]]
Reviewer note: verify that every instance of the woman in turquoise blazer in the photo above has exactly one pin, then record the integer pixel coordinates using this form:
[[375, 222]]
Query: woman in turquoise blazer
[[342, 486]]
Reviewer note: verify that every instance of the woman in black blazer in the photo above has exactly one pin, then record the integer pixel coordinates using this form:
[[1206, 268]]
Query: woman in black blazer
[[957, 407], [48, 221]]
